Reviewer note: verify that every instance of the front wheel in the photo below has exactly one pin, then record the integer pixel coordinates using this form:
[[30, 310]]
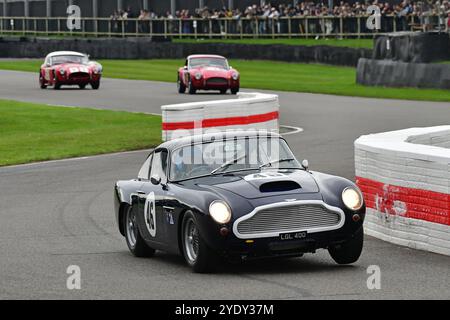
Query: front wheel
[[196, 252], [82, 86], [191, 87], [95, 85], [42, 84], [135, 242], [350, 251], [234, 90], [180, 85]]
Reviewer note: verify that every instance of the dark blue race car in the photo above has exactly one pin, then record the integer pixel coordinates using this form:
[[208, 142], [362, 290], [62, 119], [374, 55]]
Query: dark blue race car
[[238, 196]]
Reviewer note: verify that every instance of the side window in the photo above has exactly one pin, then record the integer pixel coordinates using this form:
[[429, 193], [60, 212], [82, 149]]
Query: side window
[[159, 165], [144, 173], [186, 63]]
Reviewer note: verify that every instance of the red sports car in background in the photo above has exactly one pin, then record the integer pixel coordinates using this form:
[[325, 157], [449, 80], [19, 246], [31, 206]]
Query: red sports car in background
[[207, 72], [69, 68]]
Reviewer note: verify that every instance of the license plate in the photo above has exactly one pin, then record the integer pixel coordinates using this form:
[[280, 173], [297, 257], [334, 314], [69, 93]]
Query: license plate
[[293, 235]]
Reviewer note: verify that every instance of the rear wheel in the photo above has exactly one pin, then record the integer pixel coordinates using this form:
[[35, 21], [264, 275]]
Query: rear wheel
[[350, 251], [180, 85], [191, 88], [196, 252], [135, 242], [95, 85]]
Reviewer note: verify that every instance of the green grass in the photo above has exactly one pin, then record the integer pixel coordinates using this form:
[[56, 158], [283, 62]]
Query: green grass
[[34, 132], [351, 43], [279, 76]]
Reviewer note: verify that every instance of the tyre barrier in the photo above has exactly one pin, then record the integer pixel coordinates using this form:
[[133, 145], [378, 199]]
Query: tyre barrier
[[256, 111], [405, 178]]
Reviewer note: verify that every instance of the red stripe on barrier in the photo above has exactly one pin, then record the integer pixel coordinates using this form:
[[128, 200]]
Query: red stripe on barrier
[[221, 122], [406, 202]]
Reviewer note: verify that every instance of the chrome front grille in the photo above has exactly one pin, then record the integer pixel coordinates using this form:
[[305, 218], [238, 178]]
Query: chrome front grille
[[285, 218]]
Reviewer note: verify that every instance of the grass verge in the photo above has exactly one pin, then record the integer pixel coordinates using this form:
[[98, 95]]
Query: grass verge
[[271, 75], [35, 132], [350, 43]]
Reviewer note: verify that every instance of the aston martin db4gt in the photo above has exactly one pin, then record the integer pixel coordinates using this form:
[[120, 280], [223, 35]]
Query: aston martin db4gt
[[207, 72], [238, 196], [69, 68]]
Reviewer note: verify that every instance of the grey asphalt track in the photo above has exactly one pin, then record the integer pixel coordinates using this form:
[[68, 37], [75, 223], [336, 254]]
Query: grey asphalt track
[[60, 213]]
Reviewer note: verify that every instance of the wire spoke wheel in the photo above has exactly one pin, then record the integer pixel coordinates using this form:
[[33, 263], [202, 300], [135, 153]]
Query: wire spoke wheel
[[131, 227], [191, 240]]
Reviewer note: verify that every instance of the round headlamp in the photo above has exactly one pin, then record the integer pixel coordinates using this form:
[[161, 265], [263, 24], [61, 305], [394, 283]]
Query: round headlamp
[[235, 76], [220, 211], [352, 199], [198, 76], [62, 71]]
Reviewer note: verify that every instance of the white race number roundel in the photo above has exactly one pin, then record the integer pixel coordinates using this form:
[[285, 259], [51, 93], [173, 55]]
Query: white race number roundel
[[150, 214]]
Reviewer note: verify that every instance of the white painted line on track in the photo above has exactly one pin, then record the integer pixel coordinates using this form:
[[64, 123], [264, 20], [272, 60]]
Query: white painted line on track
[[294, 130]]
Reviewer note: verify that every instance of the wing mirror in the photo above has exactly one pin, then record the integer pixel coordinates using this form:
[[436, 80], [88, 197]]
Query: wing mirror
[[155, 179], [305, 164], [185, 68]]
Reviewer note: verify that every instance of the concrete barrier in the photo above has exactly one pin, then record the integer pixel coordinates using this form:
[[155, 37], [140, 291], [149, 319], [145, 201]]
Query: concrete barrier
[[405, 178], [250, 111]]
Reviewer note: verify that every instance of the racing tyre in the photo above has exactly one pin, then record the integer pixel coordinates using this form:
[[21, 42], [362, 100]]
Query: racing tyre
[[191, 88], [180, 85], [82, 86], [196, 252], [57, 85], [95, 85], [348, 252], [42, 82], [223, 91], [135, 242], [234, 90]]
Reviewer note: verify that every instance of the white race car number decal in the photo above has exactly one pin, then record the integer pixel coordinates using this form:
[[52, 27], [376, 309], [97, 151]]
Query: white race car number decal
[[78, 69], [150, 214]]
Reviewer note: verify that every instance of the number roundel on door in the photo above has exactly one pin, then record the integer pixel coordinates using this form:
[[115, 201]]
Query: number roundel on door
[[150, 214]]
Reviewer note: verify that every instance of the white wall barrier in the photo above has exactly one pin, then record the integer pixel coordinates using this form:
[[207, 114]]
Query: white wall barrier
[[405, 178], [250, 111]]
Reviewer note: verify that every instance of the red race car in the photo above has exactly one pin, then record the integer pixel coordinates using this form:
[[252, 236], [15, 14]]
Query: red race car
[[69, 68], [207, 72]]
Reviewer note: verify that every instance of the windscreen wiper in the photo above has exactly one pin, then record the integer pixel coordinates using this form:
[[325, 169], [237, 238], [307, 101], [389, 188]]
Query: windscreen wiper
[[270, 163], [227, 164]]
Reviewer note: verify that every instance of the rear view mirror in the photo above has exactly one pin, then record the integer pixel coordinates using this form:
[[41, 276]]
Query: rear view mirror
[[305, 164], [155, 179]]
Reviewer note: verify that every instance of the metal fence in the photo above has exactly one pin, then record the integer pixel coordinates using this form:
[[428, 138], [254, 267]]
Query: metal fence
[[284, 27]]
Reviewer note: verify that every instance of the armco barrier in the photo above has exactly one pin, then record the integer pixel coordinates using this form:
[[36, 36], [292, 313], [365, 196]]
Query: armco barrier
[[405, 178], [250, 111]]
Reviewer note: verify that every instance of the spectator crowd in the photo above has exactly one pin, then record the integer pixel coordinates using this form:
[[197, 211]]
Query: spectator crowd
[[268, 19]]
